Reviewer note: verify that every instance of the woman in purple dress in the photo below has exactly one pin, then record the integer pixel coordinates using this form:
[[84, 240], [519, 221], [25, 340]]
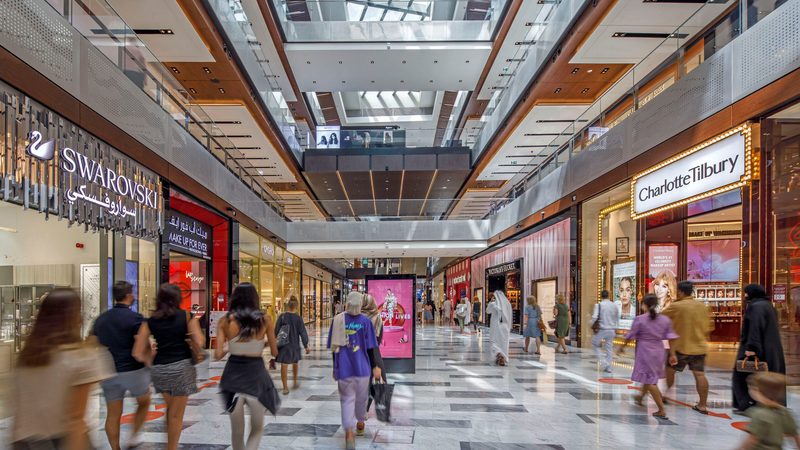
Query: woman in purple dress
[[650, 330]]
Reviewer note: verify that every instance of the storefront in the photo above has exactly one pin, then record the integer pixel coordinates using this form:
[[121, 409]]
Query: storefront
[[75, 213], [271, 269], [457, 279], [196, 256], [679, 220], [537, 263], [316, 304]]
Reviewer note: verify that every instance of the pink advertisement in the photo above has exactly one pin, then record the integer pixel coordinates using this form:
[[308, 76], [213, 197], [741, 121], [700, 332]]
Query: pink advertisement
[[395, 299], [713, 260], [662, 258]]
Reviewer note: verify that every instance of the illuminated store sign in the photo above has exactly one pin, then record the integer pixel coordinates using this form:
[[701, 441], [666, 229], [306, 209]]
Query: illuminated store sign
[[715, 166], [510, 267], [188, 235]]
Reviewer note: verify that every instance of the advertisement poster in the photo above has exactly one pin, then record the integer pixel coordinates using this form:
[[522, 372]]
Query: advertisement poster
[[624, 295], [395, 299], [713, 260], [328, 137], [662, 258]]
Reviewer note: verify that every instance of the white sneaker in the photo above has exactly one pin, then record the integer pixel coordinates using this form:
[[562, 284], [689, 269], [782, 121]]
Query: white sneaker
[[134, 440]]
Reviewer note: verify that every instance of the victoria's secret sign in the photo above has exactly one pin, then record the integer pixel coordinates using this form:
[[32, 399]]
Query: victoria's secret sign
[[188, 235]]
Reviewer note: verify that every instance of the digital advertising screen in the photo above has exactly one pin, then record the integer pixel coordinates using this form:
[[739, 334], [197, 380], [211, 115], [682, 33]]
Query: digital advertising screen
[[713, 260], [394, 295], [624, 292]]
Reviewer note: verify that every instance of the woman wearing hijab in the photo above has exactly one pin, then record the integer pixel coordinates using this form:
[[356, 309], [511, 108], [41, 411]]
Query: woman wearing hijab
[[352, 340], [500, 326], [760, 339]]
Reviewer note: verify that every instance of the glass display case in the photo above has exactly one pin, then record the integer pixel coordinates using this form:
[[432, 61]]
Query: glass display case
[[18, 308]]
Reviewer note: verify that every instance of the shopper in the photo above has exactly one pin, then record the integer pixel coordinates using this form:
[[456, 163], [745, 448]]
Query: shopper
[[561, 313], [461, 314], [172, 371], [760, 338], [606, 318], [691, 321], [476, 312], [447, 312], [245, 380], [116, 329], [352, 340], [532, 315], [53, 378], [770, 421], [650, 330], [429, 312], [290, 354], [500, 327]]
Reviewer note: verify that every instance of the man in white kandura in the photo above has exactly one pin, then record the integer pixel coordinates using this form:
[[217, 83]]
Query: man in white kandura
[[500, 326]]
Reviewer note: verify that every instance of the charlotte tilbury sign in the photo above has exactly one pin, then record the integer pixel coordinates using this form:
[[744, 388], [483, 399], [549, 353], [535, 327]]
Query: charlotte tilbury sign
[[715, 166]]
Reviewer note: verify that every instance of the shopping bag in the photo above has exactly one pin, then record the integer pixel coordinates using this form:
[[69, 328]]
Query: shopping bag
[[382, 393]]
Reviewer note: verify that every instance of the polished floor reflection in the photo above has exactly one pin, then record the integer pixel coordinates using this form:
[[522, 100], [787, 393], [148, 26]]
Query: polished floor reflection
[[458, 399]]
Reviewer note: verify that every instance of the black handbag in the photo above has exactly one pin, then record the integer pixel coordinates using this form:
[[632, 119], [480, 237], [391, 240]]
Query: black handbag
[[382, 394]]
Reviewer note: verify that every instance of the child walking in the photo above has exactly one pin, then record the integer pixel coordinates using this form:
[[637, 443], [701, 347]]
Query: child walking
[[771, 421]]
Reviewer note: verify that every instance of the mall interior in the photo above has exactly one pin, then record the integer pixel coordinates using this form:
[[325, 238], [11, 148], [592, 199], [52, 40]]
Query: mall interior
[[422, 151]]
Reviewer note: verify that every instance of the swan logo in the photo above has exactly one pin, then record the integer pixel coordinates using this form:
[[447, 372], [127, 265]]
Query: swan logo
[[41, 151]]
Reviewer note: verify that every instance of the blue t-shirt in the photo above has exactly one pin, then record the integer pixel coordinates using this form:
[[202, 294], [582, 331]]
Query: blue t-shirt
[[353, 360]]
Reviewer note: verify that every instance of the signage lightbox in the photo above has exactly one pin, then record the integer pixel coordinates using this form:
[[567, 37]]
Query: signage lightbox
[[188, 235], [394, 295], [715, 166]]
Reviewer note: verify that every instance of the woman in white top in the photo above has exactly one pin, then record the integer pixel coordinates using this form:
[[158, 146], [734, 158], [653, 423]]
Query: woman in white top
[[54, 376], [245, 380]]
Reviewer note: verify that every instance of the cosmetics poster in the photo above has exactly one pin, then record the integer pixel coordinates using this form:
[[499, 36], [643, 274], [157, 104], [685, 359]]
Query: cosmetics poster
[[395, 299], [624, 294], [662, 258], [713, 260]]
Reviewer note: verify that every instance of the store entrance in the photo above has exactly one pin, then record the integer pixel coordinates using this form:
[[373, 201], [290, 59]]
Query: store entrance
[[509, 283]]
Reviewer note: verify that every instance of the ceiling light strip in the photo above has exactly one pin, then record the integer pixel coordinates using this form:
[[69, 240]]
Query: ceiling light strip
[[341, 183], [430, 187]]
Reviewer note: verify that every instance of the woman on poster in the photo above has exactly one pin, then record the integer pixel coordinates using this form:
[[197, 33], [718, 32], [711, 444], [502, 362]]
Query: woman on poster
[[500, 326]]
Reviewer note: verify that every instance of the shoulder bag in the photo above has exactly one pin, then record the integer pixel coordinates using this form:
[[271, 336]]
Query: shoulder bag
[[596, 323]]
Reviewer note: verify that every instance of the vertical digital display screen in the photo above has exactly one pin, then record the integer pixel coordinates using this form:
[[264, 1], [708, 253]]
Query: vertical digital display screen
[[395, 299]]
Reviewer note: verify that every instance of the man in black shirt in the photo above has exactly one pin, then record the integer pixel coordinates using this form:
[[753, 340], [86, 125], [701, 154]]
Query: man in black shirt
[[116, 329]]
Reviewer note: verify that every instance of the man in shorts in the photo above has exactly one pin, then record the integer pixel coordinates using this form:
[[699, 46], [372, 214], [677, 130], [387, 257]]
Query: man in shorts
[[691, 321], [116, 329]]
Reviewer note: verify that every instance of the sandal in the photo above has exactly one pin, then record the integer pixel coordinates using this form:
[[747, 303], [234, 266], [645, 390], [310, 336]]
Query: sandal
[[360, 426], [285, 392], [703, 412], [660, 416]]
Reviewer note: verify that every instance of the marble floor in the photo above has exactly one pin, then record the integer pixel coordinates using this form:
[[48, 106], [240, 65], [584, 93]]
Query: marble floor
[[458, 399]]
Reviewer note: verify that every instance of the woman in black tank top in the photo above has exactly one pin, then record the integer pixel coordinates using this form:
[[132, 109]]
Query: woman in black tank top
[[172, 371]]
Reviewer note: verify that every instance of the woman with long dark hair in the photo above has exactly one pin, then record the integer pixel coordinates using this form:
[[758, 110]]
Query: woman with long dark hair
[[245, 380], [172, 371], [55, 372], [760, 339], [650, 330]]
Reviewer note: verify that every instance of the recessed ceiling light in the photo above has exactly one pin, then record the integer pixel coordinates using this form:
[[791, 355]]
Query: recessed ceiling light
[[589, 71]]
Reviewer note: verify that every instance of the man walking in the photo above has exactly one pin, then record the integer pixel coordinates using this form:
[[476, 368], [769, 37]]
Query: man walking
[[606, 316], [690, 320], [116, 329]]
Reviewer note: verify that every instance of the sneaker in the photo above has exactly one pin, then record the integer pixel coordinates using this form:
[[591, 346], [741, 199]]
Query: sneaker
[[134, 440]]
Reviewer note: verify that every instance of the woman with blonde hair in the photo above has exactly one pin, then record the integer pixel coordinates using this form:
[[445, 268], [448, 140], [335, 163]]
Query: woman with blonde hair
[[561, 313], [533, 316], [54, 376], [665, 286]]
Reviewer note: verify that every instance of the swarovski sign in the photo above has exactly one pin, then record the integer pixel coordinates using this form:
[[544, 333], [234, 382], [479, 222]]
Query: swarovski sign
[[720, 164]]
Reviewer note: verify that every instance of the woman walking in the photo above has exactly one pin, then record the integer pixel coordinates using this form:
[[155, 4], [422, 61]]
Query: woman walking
[[533, 316], [561, 312], [500, 326], [291, 333], [760, 339], [172, 372], [352, 341], [650, 330], [53, 378], [462, 312], [245, 380]]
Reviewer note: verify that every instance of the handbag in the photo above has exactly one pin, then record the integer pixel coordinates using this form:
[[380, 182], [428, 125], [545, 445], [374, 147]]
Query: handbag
[[748, 365], [382, 394], [596, 323], [552, 324], [283, 336]]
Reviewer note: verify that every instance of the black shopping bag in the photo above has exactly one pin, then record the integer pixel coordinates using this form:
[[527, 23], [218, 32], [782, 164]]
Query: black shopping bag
[[382, 393]]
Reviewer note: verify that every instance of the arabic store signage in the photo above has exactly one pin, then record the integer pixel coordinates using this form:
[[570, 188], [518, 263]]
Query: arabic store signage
[[715, 166], [52, 166], [188, 235]]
